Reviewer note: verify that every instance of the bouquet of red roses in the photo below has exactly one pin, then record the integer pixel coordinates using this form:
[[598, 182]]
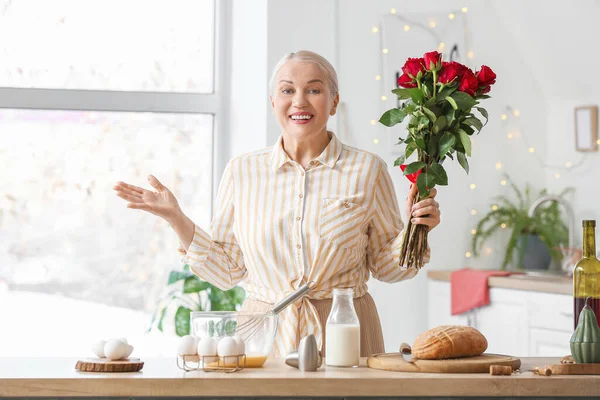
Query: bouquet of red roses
[[440, 98]]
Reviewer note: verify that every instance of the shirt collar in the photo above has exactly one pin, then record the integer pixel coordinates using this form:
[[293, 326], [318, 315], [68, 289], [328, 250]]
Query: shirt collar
[[328, 157]]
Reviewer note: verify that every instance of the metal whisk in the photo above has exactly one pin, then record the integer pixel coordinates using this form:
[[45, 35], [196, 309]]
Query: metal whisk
[[248, 329]]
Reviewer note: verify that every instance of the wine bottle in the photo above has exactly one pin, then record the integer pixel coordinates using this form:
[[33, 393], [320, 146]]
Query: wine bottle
[[586, 275]]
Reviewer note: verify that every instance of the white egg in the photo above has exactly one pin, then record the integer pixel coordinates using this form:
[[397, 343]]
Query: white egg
[[114, 349], [188, 345], [207, 347], [227, 347], [128, 351], [122, 339], [98, 348], [240, 343]]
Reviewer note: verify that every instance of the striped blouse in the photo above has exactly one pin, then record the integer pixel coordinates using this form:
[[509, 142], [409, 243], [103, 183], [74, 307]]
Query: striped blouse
[[277, 226]]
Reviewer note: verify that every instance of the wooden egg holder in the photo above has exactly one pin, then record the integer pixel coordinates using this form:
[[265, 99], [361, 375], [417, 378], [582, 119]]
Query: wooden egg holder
[[205, 363]]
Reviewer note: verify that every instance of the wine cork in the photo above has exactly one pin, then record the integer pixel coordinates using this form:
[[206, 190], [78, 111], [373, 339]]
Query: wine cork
[[500, 370], [542, 371]]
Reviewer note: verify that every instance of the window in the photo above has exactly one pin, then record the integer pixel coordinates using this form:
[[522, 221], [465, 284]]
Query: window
[[103, 91]]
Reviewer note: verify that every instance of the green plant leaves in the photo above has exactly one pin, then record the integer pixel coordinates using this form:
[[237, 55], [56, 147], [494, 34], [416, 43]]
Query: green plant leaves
[[439, 124], [414, 167], [226, 300], [422, 123], [432, 146], [402, 94], [430, 114], [392, 117], [410, 148], [188, 297], [465, 140], [416, 95], [446, 142], [425, 182], [472, 121], [193, 284], [420, 141], [513, 215], [446, 91], [182, 321], [161, 319], [483, 112], [450, 115], [462, 100], [176, 276], [462, 160], [438, 173], [452, 102]]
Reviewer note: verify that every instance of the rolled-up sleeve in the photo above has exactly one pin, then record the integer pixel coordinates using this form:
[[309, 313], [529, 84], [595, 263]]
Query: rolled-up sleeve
[[385, 232], [218, 259]]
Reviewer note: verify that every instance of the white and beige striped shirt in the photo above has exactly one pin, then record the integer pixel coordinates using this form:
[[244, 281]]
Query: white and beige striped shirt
[[277, 226]]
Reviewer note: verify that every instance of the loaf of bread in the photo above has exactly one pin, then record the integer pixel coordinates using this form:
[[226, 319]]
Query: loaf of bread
[[449, 341]]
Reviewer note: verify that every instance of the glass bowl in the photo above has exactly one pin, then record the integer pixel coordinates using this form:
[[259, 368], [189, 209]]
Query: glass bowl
[[256, 329]]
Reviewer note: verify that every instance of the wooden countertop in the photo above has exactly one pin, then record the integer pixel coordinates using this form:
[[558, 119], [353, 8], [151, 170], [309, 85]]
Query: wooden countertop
[[57, 377], [547, 284]]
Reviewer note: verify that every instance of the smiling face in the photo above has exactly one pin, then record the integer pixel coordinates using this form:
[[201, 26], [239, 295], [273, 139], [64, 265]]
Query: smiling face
[[302, 100]]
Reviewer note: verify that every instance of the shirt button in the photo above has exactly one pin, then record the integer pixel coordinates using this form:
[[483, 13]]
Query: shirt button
[[298, 218], [312, 163], [298, 246], [302, 173], [346, 204], [301, 195]]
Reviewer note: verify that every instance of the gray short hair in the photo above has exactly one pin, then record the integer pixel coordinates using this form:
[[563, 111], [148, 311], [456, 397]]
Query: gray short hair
[[308, 56]]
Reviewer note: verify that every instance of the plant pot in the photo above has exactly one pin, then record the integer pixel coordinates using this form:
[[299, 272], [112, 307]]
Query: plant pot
[[535, 255]]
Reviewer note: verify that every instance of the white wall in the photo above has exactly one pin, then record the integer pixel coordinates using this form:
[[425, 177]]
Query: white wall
[[298, 25], [341, 31], [585, 175]]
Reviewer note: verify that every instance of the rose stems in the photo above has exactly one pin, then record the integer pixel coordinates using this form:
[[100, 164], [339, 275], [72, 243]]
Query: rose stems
[[411, 253]]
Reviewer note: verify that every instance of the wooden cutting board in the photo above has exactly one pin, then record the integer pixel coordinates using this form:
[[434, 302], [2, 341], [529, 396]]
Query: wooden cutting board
[[477, 364], [106, 365], [568, 369]]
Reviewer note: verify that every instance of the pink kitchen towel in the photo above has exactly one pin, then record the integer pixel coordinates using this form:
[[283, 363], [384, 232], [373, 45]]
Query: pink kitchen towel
[[469, 288]]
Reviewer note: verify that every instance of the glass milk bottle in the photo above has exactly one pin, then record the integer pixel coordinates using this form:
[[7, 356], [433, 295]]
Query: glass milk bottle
[[342, 337]]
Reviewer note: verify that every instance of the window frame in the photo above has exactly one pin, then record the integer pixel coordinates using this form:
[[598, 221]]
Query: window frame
[[215, 103]]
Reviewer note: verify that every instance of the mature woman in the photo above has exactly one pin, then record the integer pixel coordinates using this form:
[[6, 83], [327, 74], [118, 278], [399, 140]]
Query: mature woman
[[309, 208]]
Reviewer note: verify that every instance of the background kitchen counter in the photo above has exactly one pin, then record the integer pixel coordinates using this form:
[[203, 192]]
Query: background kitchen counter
[[528, 316], [547, 284], [57, 377]]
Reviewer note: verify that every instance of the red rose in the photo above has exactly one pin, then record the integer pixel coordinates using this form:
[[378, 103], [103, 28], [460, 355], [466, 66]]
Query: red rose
[[450, 71], [432, 57], [468, 82], [413, 66], [406, 82], [486, 77], [411, 177]]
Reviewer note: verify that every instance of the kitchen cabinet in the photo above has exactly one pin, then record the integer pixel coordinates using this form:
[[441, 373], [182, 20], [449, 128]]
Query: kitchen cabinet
[[517, 322]]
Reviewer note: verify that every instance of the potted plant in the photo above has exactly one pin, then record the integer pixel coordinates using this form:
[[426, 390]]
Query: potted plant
[[534, 241], [189, 294]]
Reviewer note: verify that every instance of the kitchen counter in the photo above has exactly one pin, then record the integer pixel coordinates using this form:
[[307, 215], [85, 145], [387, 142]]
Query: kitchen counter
[[536, 283], [57, 377]]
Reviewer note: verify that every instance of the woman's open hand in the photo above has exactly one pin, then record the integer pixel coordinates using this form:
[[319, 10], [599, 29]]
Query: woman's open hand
[[160, 202], [426, 211]]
